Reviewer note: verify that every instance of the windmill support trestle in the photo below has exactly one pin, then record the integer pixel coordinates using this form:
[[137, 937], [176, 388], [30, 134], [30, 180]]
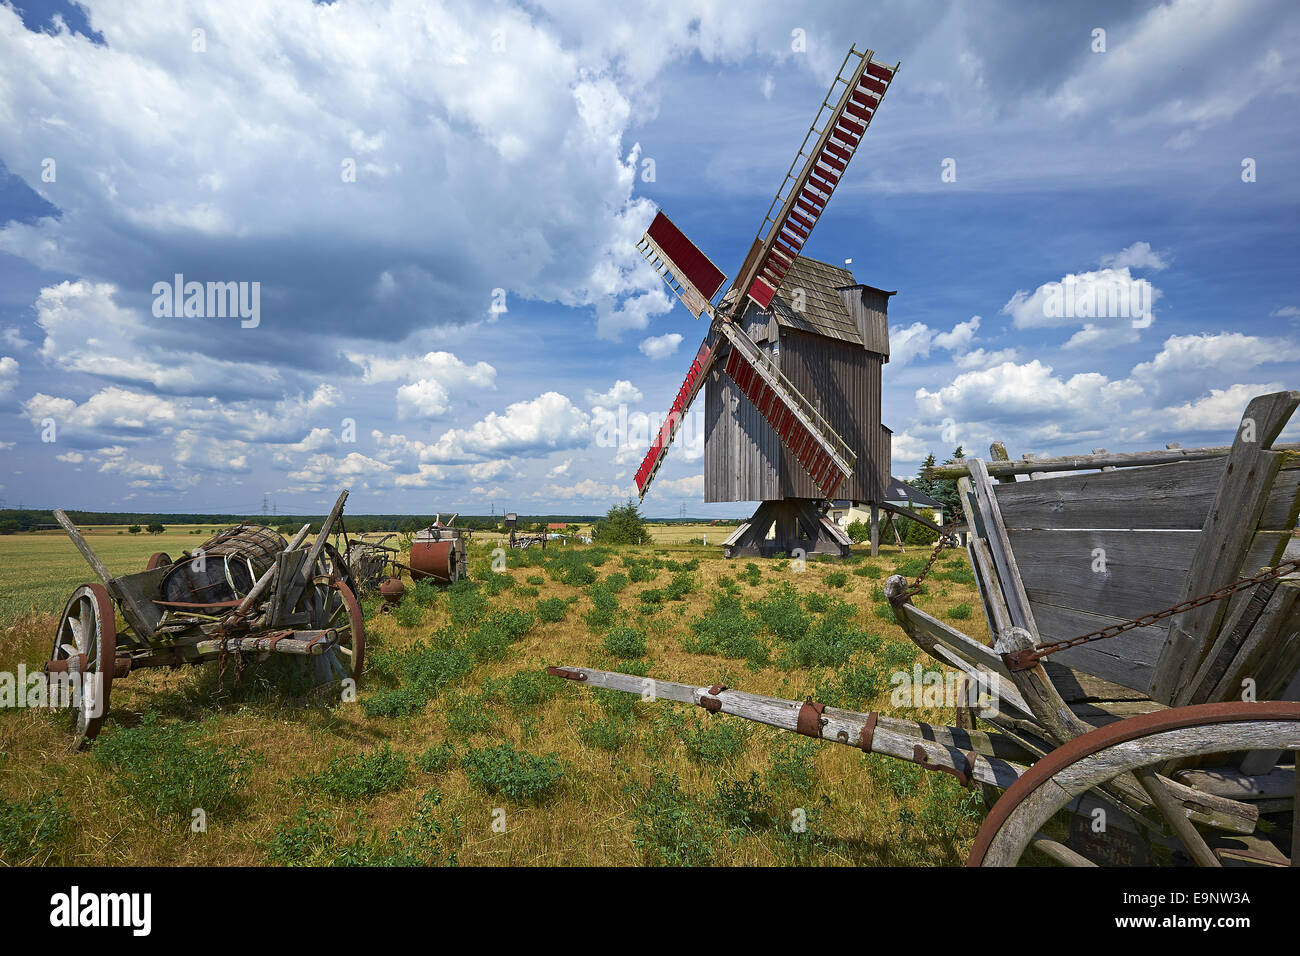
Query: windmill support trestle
[[796, 524]]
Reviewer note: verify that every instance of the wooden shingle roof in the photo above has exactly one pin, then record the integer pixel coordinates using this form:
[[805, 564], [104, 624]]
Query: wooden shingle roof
[[823, 311]]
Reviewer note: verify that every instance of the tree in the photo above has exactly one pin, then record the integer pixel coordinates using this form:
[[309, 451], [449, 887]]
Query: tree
[[155, 528], [135, 529], [622, 525], [857, 531], [944, 490]]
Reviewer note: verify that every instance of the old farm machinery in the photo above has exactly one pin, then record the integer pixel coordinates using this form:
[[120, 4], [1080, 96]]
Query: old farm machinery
[[438, 552], [792, 361], [244, 592], [1138, 701]]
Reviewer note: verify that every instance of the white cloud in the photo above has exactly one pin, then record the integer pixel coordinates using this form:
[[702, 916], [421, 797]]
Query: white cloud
[[623, 392], [547, 423], [426, 476], [1220, 410], [907, 342], [660, 346], [590, 490], [1286, 312], [1109, 306], [1186, 362], [692, 486], [1140, 255], [8, 374]]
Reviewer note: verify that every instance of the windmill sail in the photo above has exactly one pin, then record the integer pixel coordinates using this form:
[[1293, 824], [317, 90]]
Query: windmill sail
[[654, 458], [680, 263], [825, 154], [812, 441]]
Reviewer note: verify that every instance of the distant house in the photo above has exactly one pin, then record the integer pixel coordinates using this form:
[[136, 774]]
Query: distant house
[[556, 526], [844, 512]]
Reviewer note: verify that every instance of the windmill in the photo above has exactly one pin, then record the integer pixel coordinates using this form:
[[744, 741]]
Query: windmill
[[791, 364]]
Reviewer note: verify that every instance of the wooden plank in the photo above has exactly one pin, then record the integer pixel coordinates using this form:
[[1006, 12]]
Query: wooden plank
[[1225, 538], [1132, 459], [893, 737], [1117, 574], [1277, 618], [1101, 713], [1127, 660], [1173, 496], [1077, 686], [1232, 783], [1004, 558], [1143, 571], [139, 613]]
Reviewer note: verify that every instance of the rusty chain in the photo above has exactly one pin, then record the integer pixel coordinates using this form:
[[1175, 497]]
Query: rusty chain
[[944, 536], [1022, 660]]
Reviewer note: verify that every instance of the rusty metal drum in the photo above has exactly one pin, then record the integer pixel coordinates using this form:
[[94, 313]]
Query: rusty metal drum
[[438, 554]]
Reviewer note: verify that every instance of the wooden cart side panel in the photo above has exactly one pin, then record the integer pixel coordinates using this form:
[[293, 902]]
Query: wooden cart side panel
[[1174, 496], [1225, 539]]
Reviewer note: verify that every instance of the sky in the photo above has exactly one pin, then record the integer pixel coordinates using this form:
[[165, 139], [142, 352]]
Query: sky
[[431, 211]]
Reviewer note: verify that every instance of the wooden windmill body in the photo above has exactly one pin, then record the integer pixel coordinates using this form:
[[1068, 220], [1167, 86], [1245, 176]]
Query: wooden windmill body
[[833, 351], [791, 366]]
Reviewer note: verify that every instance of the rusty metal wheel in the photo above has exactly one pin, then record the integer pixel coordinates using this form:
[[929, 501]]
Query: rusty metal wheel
[[159, 559], [1133, 745], [333, 605], [85, 649]]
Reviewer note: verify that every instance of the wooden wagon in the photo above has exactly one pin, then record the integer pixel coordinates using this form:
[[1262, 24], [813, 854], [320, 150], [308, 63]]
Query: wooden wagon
[[1138, 704], [243, 592]]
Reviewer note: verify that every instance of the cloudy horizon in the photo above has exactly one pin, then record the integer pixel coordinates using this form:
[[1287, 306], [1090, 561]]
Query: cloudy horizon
[[428, 215]]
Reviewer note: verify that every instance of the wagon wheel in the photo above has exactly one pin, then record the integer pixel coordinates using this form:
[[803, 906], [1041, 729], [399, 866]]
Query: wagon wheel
[[86, 643], [159, 559], [1135, 744], [333, 605]]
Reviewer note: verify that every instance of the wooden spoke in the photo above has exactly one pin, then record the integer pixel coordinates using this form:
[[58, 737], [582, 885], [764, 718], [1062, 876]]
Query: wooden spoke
[[85, 646], [1135, 744]]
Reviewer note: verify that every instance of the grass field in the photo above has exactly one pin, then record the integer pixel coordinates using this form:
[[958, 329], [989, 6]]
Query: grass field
[[460, 748]]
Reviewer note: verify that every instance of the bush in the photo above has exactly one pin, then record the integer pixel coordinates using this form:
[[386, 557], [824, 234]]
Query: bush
[[623, 524], [437, 758], [308, 839], [604, 608], [959, 612], [831, 640], [528, 690], [163, 768], [858, 531], [492, 638], [716, 741], [672, 829], [360, 777], [869, 571], [727, 629], [782, 613], [515, 774], [551, 610], [395, 702], [30, 829], [836, 579], [625, 641]]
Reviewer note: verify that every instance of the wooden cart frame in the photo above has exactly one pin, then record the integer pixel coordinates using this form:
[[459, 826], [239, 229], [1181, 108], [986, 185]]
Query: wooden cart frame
[[301, 605], [1177, 728]]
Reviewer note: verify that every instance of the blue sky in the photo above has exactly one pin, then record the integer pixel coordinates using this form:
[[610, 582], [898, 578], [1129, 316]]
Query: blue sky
[[502, 146]]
